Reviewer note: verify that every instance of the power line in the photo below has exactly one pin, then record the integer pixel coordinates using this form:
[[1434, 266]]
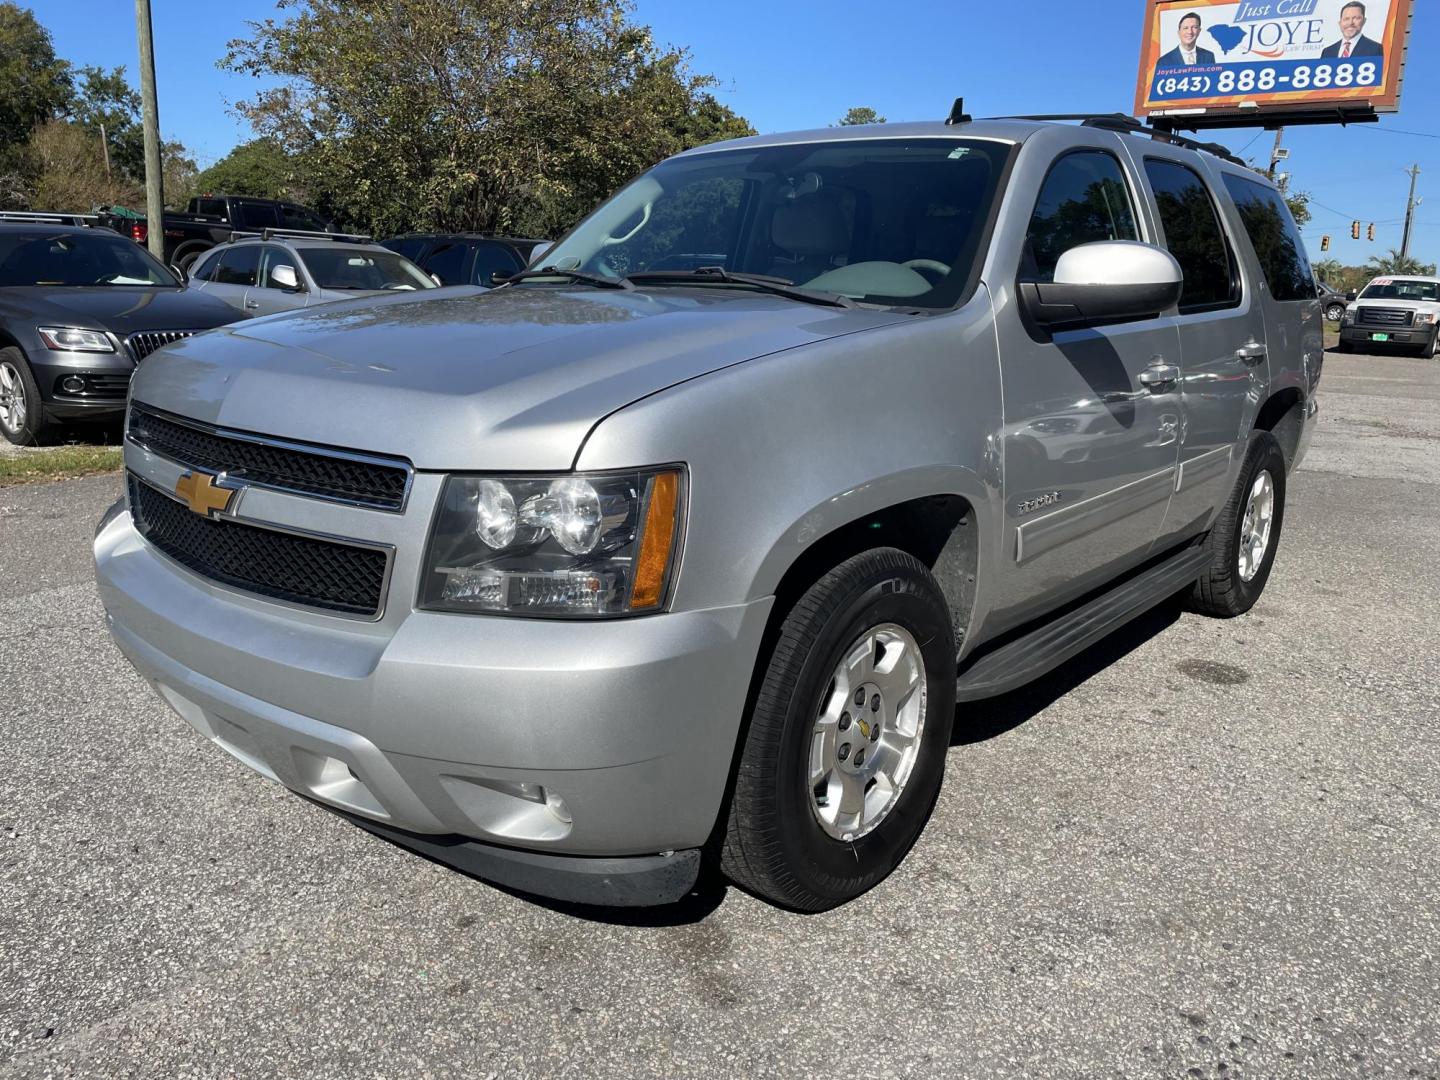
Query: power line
[[1398, 131]]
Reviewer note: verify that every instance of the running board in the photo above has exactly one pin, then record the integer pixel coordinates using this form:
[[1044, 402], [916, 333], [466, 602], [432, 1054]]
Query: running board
[[1027, 658]]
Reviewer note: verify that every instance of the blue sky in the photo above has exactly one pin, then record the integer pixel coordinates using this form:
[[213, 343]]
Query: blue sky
[[787, 64]]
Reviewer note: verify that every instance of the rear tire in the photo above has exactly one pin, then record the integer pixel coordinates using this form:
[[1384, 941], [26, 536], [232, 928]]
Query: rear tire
[[1246, 534], [1335, 312], [876, 626], [22, 413]]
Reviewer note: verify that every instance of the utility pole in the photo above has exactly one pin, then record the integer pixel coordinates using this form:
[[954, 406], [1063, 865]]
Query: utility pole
[[1275, 155], [105, 149], [154, 195], [1410, 205]]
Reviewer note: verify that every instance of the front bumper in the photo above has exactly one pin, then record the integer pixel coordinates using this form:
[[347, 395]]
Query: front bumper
[[590, 739], [1405, 336], [106, 378]]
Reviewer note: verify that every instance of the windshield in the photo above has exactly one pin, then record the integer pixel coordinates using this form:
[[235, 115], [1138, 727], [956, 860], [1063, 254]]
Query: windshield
[[1401, 289], [894, 222], [345, 268], [78, 259]]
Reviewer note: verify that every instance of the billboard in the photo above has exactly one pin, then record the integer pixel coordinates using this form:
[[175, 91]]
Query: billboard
[[1226, 58]]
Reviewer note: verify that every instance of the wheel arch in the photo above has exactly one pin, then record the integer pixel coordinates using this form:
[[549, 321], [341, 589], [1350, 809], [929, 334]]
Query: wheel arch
[[1283, 415]]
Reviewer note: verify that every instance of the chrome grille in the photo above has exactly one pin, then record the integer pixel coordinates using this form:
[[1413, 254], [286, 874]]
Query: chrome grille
[[1380, 316], [147, 341], [316, 472], [298, 569]]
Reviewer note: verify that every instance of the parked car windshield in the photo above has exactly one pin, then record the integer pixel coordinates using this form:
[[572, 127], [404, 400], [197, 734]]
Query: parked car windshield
[[346, 268], [1401, 289], [93, 258], [884, 221]]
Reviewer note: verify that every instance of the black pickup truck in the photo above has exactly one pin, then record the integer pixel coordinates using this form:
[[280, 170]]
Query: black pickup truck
[[210, 219]]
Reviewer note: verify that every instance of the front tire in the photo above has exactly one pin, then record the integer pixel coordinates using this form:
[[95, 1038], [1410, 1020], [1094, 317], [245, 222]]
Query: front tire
[[1246, 534], [22, 414], [846, 745], [1428, 352]]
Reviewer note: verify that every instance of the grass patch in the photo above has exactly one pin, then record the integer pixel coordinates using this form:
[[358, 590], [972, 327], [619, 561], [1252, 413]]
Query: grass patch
[[59, 463]]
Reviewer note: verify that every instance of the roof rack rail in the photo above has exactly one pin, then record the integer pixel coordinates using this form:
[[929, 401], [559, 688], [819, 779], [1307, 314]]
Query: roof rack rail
[[1129, 125], [46, 217], [304, 234]]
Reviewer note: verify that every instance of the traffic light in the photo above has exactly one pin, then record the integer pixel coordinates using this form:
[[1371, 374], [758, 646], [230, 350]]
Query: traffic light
[[1354, 230], [1324, 243], [1371, 234]]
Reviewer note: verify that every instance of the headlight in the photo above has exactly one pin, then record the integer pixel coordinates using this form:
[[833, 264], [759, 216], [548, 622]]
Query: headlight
[[1424, 317], [71, 339], [1348, 317], [588, 544]]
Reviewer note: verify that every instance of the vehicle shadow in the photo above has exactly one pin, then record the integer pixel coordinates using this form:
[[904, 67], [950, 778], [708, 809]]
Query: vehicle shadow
[[978, 721]]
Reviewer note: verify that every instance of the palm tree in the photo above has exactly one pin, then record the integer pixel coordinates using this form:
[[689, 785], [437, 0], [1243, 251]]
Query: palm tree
[[1392, 262], [1328, 270]]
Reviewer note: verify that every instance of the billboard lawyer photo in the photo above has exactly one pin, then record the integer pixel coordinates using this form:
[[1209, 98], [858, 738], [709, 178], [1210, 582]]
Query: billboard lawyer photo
[[1186, 54], [1352, 42]]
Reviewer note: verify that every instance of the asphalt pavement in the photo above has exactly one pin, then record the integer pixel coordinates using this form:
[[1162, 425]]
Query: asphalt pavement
[[1202, 849]]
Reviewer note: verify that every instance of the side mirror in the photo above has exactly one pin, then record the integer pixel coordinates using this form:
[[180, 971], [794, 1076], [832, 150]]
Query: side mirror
[[538, 251], [1350, 295], [286, 278], [1108, 281]]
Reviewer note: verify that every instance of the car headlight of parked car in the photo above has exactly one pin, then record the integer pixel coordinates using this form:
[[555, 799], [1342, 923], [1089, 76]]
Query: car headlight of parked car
[[1424, 317], [74, 339], [587, 544], [1348, 317]]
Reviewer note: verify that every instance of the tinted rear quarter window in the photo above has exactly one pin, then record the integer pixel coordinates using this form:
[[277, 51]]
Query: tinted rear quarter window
[[256, 215], [448, 263], [1274, 237], [1192, 235], [492, 259], [238, 266], [410, 247], [1083, 200]]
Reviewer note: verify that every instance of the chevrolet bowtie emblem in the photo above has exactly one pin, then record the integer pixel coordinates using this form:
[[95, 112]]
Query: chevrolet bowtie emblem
[[201, 494]]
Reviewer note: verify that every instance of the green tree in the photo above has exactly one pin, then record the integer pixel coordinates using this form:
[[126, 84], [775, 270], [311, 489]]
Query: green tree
[[475, 114], [35, 85], [105, 99], [861, 114], [1392, 262], [1329, 271], [260, 168], [67, 171]]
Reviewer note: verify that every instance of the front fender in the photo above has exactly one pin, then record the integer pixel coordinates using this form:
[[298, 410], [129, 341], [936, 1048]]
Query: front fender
[[786, 448]]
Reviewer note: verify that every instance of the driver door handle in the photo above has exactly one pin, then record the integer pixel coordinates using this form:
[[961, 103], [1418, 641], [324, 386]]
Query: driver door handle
[[1252, 352], [1159, 377]]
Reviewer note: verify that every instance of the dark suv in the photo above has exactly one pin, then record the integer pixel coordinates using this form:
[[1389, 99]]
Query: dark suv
[[79, 309], [464, 258]]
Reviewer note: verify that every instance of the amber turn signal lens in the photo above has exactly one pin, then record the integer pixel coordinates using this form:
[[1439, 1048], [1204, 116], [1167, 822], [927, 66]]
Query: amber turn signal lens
[[657, 542]]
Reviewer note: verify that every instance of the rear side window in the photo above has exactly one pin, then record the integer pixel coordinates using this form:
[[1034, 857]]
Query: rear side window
[[1193, 236], [1083, 200], [256, 215], [448, 263], [492, 259], [205, 270], [410, 247], [238, 266], [212, 207], [1275, 238]]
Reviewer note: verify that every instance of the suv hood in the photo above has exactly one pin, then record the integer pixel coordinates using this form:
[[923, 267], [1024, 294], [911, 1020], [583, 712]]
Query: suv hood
[[509, 379], [121, 309]]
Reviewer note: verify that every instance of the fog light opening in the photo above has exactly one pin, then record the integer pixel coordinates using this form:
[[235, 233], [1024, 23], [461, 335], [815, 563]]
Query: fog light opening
[[72, 384]]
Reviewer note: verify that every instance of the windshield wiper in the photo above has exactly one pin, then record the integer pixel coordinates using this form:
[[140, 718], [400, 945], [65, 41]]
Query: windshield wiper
[[777, 286], [598, 280]]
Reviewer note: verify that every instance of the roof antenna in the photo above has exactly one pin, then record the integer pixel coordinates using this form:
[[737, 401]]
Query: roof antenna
[[958, 115]]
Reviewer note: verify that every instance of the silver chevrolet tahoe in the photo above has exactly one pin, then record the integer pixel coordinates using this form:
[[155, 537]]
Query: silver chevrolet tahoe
[[679, 551]]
